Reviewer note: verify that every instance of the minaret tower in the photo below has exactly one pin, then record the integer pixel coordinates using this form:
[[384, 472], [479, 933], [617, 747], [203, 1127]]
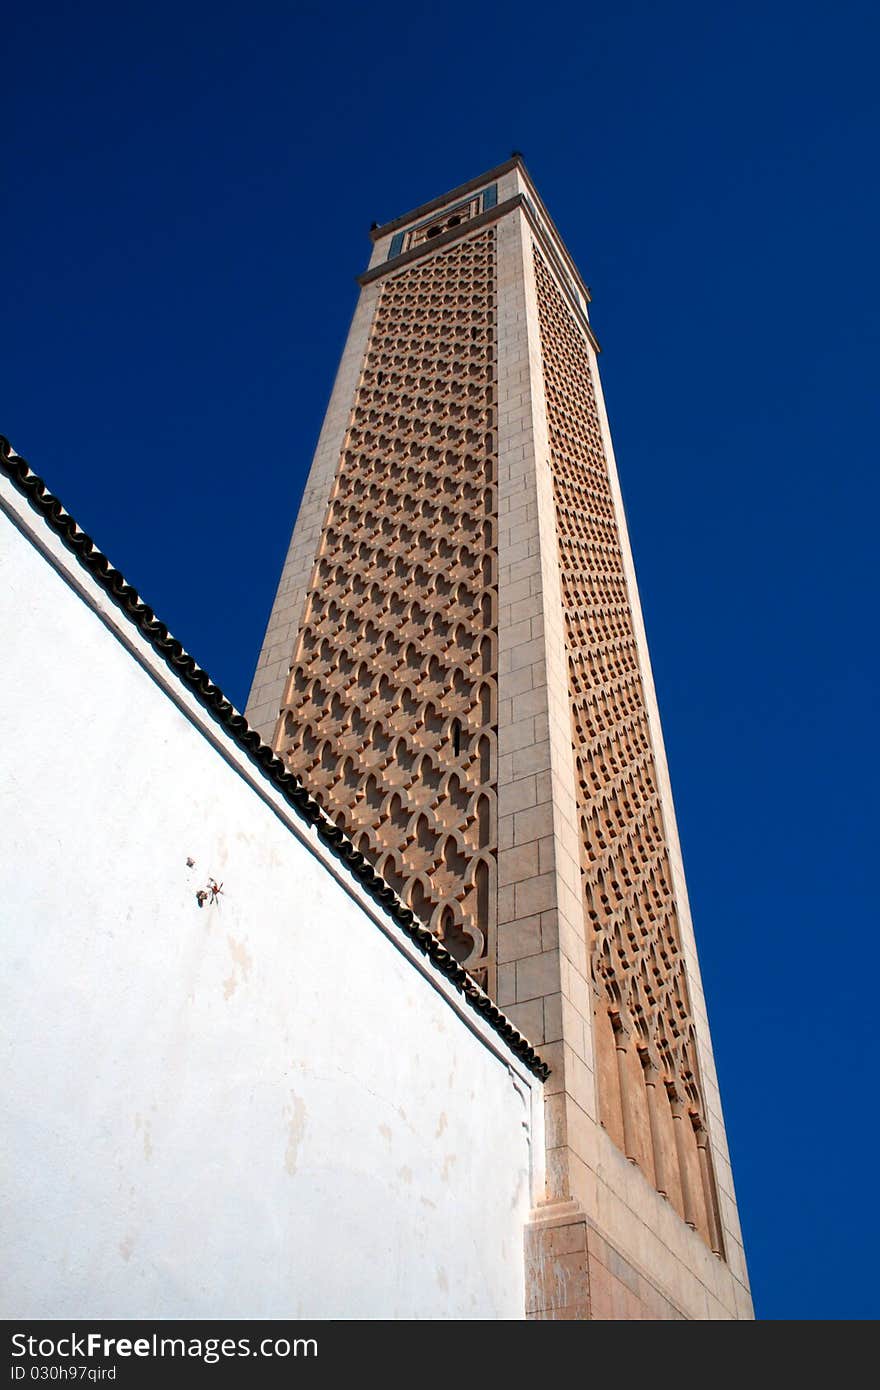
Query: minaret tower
[[456, 666]]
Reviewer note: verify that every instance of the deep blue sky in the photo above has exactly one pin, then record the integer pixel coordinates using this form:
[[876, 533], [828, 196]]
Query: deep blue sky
[[188, 193]]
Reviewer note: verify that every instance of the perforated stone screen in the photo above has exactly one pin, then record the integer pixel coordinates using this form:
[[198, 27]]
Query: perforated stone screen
[[649, 1088], [390, 712]]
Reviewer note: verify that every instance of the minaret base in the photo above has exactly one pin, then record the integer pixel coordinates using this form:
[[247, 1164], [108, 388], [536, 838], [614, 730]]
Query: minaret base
[[574, 1274]]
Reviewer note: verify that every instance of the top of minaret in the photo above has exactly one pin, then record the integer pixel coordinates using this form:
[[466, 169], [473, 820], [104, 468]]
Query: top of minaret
[[485, 198], [461, 191]]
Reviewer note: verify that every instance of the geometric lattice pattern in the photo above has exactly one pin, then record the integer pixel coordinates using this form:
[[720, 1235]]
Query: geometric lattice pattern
[[390, 711], [644, 1032]]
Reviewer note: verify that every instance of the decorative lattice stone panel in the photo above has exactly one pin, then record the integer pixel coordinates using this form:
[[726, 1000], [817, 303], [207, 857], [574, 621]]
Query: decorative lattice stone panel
[[390, 712], [649, 1087]]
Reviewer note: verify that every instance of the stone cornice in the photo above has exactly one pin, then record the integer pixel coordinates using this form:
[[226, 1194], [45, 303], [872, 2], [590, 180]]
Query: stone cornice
[[452, 196]]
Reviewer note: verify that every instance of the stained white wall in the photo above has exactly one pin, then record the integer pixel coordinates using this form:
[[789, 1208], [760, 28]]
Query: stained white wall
[[260, 1108]]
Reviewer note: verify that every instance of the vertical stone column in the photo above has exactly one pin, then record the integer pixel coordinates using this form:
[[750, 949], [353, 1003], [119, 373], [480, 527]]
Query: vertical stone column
[[622, 1045], [710, 1198], [542, 959], [655, 1101]]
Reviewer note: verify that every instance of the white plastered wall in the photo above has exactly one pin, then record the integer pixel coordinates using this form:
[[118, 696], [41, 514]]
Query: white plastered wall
[[271, 1106]]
